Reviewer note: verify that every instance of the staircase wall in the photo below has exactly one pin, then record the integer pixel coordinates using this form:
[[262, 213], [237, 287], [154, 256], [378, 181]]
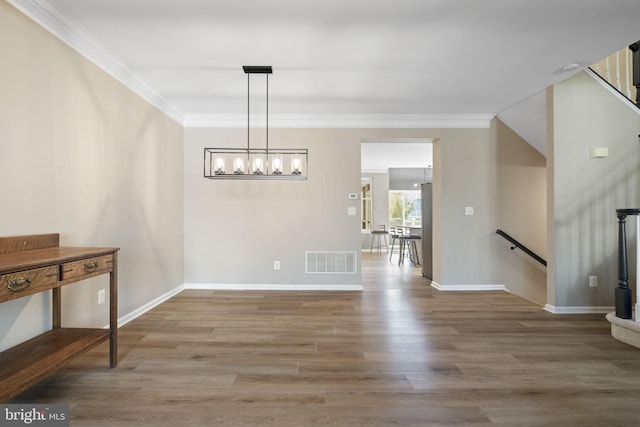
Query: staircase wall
[[521, 212], [583, 193]]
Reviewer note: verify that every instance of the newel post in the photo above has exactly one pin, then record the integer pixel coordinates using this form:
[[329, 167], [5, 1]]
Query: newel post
[[623, 293]]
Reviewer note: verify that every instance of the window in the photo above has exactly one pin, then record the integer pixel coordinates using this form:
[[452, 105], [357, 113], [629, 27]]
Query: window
[[365, 197], [405, 208]]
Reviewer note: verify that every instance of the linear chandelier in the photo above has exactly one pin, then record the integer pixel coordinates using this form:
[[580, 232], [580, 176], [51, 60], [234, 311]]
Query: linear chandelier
[[256, 163]]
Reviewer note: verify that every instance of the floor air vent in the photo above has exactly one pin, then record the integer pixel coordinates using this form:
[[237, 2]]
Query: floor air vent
[[330, 262]]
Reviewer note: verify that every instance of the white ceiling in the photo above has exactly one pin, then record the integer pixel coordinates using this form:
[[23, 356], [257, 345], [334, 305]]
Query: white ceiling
[[342, 57]]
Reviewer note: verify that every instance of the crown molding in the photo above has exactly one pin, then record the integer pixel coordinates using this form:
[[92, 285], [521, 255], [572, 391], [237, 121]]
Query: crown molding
[[54, 20], [356, 121], [51, 18]]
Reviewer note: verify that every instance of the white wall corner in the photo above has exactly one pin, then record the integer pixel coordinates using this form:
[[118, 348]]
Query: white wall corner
[[148, 306]]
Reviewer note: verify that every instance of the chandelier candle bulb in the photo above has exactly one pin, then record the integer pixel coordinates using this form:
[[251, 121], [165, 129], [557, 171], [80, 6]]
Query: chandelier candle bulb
[[239, 166], [257, 166], [295, 166], [219, 166], [277, 165]]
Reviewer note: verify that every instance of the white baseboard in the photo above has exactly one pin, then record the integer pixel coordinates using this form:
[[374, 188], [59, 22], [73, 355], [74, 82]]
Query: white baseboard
[[448, 288], [270, 287], [148, 306], [578, 309]]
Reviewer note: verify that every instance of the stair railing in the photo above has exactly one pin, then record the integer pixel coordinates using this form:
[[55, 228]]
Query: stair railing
[[522, 247], [621, 71]]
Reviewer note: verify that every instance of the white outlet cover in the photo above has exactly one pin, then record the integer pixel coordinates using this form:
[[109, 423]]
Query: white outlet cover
[[352, 211], [468, 210]]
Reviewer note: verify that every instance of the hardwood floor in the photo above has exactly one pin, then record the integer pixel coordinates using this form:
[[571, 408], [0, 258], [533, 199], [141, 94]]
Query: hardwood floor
[[398, 354]]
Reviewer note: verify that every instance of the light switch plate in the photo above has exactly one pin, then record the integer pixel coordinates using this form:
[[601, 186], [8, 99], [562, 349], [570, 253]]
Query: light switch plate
[[468, 210], [352, 211], [598, 152]]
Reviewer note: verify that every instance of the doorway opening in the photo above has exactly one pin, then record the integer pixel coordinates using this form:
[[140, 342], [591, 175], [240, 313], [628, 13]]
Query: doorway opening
[[394, 172]]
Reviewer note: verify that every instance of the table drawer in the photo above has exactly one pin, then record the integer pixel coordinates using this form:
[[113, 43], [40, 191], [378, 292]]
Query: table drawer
[[87, 266], [27, 282]]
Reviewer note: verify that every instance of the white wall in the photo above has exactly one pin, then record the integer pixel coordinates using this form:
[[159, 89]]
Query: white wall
[[587, 191], [380, 203], [83, 156]]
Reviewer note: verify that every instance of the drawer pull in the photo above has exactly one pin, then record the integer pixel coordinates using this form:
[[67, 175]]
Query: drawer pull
[[17, 285], [90, 267]]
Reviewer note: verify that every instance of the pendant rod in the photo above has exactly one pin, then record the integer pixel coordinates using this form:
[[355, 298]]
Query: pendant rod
[[248, 115], [267, 116]]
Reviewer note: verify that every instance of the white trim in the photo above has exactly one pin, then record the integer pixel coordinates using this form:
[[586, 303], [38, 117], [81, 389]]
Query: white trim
[[613, 91], [353, 121], [577, 309], [146, 307], [447, 288], [51, 18], [271, 287]]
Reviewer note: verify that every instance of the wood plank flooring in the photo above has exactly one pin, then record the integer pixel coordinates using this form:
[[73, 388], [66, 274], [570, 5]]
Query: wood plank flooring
[[398, 354]]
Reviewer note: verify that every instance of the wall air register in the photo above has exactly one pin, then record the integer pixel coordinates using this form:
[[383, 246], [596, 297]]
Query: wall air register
[[330, 262]]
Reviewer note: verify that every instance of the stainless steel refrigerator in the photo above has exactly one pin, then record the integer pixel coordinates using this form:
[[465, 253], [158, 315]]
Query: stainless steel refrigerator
[[427, 232]]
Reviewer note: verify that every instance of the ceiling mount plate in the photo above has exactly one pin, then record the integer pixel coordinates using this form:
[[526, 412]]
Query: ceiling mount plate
[[257, 69]]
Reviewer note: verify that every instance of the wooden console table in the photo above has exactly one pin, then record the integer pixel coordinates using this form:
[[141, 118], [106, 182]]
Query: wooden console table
[[37, 263]]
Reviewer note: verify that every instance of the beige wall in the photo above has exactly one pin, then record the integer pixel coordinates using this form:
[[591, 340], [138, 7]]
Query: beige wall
[[436, 220], [551, 226], [587, 191], [235, 230], [464, 176], [521, 212], [499, 175], [82, 155]]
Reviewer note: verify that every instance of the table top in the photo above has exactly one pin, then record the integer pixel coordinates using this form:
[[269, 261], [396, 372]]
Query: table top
[[24, 260]]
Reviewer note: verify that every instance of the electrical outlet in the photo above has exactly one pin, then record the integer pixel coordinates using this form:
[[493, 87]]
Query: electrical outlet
[[593, 281], [276, 265], [101, 296]]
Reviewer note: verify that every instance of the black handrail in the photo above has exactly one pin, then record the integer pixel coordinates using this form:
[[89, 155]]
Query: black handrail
[[519, 245]]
